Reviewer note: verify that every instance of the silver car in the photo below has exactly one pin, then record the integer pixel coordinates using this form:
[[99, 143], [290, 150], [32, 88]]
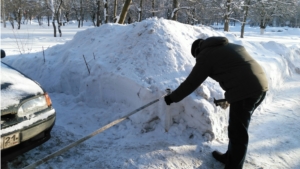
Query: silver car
[[27, 115]]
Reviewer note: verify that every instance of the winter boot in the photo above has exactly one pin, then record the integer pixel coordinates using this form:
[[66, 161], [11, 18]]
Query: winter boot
[[219, 156]]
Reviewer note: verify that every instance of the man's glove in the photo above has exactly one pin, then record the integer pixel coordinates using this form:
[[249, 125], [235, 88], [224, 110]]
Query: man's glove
[[168, 100], [222, 103]]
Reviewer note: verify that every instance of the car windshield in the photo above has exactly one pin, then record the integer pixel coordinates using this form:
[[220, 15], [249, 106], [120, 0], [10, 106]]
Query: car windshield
[[15, 86]]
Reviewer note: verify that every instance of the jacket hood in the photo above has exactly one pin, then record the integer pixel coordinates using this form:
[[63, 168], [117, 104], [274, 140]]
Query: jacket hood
[[211, 42]]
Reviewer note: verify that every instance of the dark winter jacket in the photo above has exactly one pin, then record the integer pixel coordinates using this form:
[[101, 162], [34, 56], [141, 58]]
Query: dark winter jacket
[[230, 65]]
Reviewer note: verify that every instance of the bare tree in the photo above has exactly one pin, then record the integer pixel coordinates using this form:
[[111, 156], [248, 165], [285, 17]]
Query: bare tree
[[14, 10], [55, 7], [77, 7], [246, 8], [67, 10], [268, 10]]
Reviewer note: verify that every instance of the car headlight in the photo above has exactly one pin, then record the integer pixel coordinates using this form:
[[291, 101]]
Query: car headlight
[[34, 105]]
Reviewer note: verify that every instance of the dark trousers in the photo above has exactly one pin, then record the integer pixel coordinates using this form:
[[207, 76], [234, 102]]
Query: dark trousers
[[239, 118]]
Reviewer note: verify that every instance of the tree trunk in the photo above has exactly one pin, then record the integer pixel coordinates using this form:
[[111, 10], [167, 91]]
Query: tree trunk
[[124, 11], [105, 11], [226, 17], [193, 15], [153, 5], [12, 23], [93, 18], [168, 14], [140, 11], [3, 14], [98, 13], [54, 28], [115, 11], [59, 22], [81, 13], [4, 23], [26, 18], [59, 30], [67, 16], [129, 20], [30, 19], [39, 18], [262, 31], [262, 26], [19, 18], [275, 21], [246, 8], [175, 10]]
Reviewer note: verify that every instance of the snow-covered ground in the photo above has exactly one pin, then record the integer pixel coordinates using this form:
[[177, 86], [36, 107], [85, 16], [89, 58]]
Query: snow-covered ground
[[131, 65]]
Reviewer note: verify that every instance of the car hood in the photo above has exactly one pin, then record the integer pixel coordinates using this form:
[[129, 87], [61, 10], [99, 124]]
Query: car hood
[[15, 87]]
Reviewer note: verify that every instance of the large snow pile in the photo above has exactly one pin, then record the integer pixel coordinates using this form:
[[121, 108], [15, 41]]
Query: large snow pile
[[134, 64]]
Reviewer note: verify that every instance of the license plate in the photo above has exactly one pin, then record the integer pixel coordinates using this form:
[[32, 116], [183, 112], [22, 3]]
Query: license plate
[[10, 140]]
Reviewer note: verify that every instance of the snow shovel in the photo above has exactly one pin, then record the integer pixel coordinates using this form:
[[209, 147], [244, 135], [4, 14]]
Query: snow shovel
[[92, 134]]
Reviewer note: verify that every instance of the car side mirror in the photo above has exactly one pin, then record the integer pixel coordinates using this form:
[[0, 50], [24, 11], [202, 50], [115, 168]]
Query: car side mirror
[[2, 54]]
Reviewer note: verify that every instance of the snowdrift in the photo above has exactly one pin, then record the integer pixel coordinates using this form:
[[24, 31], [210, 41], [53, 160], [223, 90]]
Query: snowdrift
[[131, 65]]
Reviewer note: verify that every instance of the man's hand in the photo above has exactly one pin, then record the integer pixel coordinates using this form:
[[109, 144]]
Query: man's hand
[[222, 103], [168, 100]]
